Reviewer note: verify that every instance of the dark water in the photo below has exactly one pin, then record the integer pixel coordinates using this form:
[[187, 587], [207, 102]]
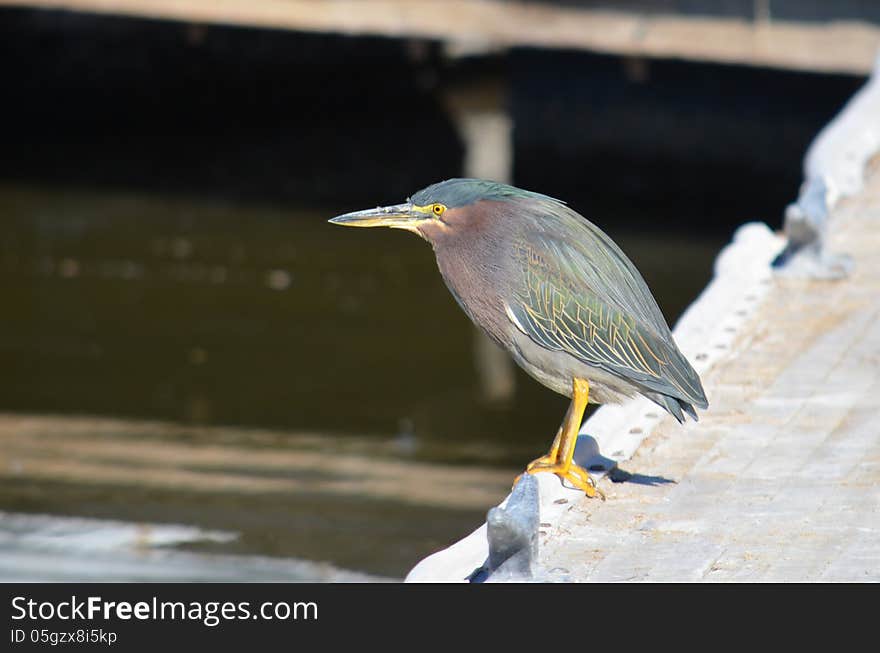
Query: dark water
[[248, 329]]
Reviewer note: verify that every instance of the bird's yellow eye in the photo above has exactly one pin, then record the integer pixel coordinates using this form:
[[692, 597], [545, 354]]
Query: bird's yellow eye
[[438, 209]]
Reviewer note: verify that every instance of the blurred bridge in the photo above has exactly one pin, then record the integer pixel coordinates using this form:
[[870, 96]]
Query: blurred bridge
[[808, 35]]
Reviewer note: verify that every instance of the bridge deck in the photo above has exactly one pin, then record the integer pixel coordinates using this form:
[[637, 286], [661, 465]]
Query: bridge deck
[[838, 43]]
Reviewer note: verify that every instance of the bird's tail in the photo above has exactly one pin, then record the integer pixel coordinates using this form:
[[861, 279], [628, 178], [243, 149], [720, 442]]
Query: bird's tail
[[676, 407]]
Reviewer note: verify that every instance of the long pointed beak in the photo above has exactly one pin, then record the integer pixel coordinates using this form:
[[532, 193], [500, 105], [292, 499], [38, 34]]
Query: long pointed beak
[[399, 216]]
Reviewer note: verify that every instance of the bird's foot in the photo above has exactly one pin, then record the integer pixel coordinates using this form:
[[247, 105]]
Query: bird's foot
[[574, 474], [543, 461], [548, 459]]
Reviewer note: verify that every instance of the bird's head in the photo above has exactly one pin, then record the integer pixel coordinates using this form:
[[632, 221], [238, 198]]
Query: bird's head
[[445, 208]]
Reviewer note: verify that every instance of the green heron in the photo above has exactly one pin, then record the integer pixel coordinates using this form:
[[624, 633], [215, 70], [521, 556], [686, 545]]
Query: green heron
[[556, 292]]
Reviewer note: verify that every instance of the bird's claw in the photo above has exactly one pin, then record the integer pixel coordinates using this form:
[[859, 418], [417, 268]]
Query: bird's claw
[[578, 476]]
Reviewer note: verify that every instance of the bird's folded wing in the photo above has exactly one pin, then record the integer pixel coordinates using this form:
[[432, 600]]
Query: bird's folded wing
[[566, 301]]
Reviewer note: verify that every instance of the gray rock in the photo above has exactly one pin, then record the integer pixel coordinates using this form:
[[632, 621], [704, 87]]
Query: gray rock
[[513, 533], [806, 224]]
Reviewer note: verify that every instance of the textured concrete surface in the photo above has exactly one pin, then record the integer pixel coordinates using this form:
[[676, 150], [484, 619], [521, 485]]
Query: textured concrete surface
[[780, 479]]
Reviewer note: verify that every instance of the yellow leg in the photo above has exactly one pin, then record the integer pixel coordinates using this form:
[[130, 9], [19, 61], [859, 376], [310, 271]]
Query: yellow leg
[[559, 460]]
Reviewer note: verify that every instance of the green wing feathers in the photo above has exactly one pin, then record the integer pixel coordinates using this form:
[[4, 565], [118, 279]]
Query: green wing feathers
[[591, 303]]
